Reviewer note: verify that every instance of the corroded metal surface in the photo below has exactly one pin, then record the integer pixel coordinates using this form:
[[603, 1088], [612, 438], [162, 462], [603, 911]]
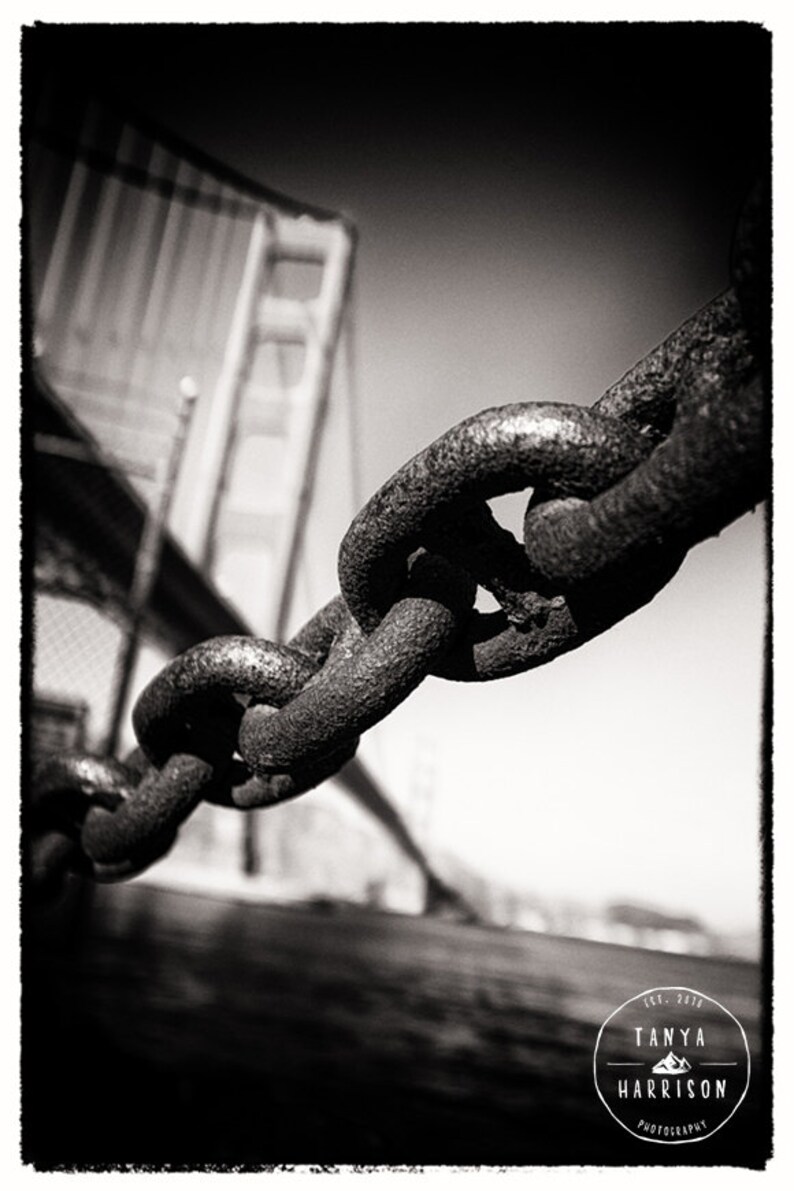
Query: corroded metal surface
[[671, 454], [709, 470], [500, 450], [71, 793], [366, 676]]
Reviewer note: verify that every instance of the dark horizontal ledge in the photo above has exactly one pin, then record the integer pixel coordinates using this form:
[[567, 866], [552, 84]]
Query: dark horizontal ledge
[[91, 505]]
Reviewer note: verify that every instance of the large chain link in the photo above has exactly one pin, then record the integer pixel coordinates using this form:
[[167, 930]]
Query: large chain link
[[670, 455]]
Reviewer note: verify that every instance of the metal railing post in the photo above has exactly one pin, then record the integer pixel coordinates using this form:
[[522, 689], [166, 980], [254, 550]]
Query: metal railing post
[[146, 563]]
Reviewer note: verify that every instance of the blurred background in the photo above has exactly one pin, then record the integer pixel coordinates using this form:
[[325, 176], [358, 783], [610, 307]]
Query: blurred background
[[349, 239]]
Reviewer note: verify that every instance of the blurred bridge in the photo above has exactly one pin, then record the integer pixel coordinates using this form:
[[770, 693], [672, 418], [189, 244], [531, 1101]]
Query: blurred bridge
[[149, 263]]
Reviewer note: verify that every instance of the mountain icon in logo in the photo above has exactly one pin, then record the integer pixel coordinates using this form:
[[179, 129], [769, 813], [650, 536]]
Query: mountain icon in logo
[[671, 1065]]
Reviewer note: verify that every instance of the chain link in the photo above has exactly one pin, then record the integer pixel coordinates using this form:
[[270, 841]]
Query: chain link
[[670, 455]]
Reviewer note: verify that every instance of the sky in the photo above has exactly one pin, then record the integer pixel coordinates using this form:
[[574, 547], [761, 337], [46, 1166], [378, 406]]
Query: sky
[[537, 207]]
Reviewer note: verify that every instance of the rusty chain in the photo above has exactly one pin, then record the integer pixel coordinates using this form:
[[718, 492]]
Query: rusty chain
[[668, 456]]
